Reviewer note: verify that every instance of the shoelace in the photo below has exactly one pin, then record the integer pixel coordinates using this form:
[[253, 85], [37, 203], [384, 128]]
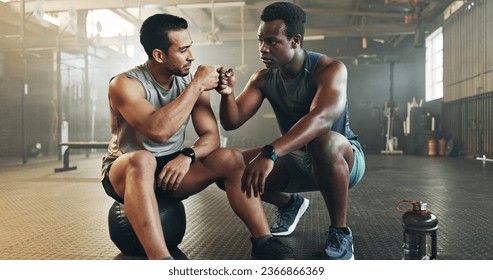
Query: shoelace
[[336, 237], [279, 215]]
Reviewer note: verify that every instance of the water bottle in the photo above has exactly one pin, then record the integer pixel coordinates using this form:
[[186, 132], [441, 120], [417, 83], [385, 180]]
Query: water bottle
[[420, 231]]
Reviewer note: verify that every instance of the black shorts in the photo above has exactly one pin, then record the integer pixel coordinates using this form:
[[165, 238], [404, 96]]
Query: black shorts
[[161, 162]]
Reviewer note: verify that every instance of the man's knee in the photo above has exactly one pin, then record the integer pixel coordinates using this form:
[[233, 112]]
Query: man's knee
[[331, 149], [228, 163], [142, 160], [138, 163], [228, 158], [328, 145]]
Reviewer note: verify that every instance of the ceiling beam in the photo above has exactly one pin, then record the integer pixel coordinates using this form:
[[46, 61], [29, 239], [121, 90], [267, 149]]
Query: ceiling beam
[[127, 16], [328, 11], [62, 5], [377, 29], [372, 30], [339, 12], [32, 24], [350, 31]]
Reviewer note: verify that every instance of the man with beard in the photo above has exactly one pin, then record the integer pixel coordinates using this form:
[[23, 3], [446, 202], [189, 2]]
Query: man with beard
[[150, 107]]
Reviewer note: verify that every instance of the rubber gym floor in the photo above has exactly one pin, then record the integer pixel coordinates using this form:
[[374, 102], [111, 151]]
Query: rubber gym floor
[[63, 216]]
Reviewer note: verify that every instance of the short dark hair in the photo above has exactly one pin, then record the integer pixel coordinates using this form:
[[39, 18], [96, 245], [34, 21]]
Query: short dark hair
[[293, 16], [154, 31]]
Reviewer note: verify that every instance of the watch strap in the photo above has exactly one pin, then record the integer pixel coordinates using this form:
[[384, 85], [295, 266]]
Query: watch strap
[[189, 152]]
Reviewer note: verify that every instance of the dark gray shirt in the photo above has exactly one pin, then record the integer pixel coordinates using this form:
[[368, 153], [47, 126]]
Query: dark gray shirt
[[291, 99]]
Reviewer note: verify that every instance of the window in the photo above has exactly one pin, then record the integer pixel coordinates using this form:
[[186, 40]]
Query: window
[[107, 24], [434, 65]]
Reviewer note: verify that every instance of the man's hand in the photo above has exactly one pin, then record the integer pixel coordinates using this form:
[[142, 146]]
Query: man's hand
[[207, 76], [226, 81], [255, 174], [173, 172]]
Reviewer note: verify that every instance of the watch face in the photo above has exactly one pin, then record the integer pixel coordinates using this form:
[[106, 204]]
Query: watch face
[[268, 150], [189, 152]]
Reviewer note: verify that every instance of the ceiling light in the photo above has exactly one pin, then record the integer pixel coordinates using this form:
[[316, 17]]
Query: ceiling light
[[314, 38]]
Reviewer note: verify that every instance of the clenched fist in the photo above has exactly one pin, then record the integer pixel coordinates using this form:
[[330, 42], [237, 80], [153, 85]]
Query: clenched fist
[[207, 76], [226, 81]]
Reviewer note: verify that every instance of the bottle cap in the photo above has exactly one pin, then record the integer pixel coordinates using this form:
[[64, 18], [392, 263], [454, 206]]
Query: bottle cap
[[419, 206]]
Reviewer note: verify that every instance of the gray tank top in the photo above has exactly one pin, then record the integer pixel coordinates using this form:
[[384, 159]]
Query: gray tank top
[[126, 139], [291, 99]]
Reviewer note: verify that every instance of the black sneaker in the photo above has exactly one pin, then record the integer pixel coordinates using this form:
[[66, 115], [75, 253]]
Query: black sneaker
[[272, 249], [287, 219]]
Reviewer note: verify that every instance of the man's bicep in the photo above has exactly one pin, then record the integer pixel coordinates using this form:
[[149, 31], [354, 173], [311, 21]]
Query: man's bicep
[[250, 99], [331, 84], [127, 98], [203, 117]]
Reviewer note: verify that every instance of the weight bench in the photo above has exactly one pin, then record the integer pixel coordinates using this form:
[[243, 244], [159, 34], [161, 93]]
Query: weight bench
[[77, 145]]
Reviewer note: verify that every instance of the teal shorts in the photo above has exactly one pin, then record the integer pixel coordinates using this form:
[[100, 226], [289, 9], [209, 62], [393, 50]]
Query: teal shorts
[[301, 178]]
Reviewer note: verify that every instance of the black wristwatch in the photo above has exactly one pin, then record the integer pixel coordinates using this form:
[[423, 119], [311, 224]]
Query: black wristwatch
[[189, 152], [269, 152]]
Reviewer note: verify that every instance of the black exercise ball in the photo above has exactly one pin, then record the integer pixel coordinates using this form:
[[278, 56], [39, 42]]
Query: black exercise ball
[[173, 220]]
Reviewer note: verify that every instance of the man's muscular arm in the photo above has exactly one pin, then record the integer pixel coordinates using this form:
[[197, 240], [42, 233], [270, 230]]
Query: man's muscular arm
[[205, 125], [127, 98], [327, 106]]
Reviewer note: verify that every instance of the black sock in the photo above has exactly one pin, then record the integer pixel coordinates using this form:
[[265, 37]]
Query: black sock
[[168, 258], [290, 202], [262, 239], [344, 229]]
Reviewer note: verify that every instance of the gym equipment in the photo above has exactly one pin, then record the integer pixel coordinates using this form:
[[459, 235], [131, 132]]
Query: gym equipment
[[484, 159], [389, 108], [77, 145], [478, 126], [391, 142], [173, 220]]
